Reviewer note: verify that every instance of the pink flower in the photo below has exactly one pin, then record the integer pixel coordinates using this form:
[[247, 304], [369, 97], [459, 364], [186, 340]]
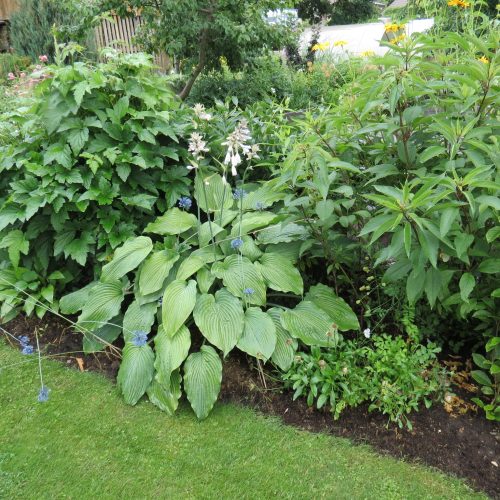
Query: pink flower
[[43, 58], [23, 75], [11, 76]]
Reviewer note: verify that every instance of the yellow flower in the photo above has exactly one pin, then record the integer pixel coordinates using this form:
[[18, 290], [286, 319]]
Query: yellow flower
[[320, 46], [340, 43], [367, 53], [484, 60], [398, 39], [393, 27], [458, 3]]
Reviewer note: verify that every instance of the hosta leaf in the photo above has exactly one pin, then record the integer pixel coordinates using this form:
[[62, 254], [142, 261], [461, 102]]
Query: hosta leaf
[[337, 308], [75, 301], [252, 221], [174, 221], [103, 304], [155, 270], [308, 323], [220, 319], [189, 266], [206, 231], [280, 274], [170, 352], [136, 372], [166, 397], [213, 195], [282, 233], [202, 380], [259, 334], [139, 318], [127, 258], [178, 303], [107, 334], [204, 279], [286, 345], [239, 274]]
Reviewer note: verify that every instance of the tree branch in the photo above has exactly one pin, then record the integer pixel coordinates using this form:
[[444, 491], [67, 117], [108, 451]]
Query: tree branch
[[202, 60]]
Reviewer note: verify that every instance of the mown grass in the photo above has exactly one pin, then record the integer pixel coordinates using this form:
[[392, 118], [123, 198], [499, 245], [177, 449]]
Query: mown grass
[[85, 443]]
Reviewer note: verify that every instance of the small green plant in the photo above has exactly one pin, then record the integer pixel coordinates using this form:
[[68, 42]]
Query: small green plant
[[488, 378], [393, 376]]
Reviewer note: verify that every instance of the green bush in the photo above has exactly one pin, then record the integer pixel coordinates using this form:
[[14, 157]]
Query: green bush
[[394, 377], [32, 25], [102, 156]]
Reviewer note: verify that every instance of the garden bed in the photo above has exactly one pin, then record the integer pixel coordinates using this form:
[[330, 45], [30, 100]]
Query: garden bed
[[465, 445]]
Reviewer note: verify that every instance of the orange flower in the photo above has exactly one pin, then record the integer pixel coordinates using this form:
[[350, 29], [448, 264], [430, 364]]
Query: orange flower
[[458, 3]]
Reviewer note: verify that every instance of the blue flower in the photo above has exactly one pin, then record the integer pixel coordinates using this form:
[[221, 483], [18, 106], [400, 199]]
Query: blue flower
[[140, 338], [43, 395], [24, 340], [236, 243], [160, 301], [260, 206], [248, 291], [28, 349], [185, 202], [239, 194]]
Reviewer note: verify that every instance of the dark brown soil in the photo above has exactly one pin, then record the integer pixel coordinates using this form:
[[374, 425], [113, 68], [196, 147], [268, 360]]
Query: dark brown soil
[[465, 445]]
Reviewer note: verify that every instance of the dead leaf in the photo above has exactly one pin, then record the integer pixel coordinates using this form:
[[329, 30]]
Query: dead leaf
[[80, 364]]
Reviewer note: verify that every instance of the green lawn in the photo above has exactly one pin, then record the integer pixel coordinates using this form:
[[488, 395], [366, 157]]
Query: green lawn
[[85, 443]]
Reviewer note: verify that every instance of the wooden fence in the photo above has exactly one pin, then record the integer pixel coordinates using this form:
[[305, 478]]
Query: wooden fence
[[7, 7], [119, 34]]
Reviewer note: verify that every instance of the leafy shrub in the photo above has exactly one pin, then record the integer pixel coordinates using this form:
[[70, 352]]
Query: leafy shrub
[[100, 159], [400, 185], [393, 376]]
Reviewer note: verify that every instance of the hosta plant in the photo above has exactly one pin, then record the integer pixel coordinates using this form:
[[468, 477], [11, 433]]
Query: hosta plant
[[222, 274]]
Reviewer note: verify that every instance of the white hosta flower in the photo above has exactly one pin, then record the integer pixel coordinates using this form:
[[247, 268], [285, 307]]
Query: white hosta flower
[[199, 111], [252, 153], [367, 333], [236, 142], [197, 146]]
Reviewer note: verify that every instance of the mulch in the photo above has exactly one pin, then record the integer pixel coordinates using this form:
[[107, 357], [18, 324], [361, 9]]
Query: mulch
[[453, 437]]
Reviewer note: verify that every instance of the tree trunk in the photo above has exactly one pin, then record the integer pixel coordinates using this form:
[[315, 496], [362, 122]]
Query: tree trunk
[[202, 60]]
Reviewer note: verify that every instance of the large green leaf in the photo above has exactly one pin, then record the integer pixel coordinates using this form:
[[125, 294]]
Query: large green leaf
[[309, 323], [103, 304], [252, 221], [239, 274], [280, 274], [210, 193], [139, 318], [75, 301], [178, 303], [174, 221], [155, 270], [284, 232], [466, 284], [259, 334], [170, 352], [286, 345], [136, 372], [339, 311], [189, 266], [16, 244], [220, 319], [166, 397], [202, 380], [107, 334], [127, 258]]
